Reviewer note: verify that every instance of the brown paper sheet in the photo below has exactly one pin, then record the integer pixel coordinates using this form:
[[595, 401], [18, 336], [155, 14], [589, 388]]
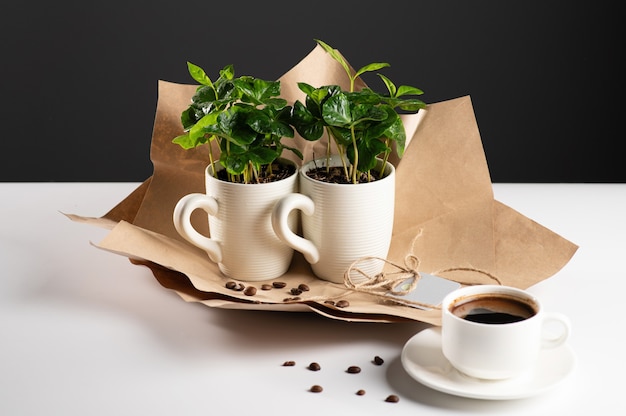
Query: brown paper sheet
[[445, 214]]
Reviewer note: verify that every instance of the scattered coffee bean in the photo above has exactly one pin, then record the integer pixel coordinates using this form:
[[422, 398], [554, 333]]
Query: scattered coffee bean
[[342, 304], [360, 392], [293, 299], [289, 363], [316, 388], [392, 398], [314, 367], [240, 287], [295, 291], [329, 302], [250, 291], [231, 285], [279, 285], [378, 360], [353, 369], [303, 287], [266, 286]]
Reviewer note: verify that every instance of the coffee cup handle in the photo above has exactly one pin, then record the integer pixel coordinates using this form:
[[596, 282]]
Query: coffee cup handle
[[280, 214], [555, 337], [182, 222]]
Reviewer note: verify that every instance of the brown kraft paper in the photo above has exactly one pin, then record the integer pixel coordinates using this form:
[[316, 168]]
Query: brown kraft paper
[[445, 214]]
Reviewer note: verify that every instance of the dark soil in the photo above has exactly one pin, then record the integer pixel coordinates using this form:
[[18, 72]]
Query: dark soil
[[336, 174], [279, 171]]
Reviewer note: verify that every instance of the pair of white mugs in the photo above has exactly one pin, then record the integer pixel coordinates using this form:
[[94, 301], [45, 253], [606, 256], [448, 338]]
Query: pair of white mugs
[[497, 332], [254, 229]]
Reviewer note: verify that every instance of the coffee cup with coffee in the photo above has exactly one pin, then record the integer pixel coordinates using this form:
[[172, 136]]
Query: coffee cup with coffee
[[497, 332]]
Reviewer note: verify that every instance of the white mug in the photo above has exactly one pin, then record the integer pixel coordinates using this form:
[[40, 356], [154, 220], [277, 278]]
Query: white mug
[[502, 334], [341, 223], [242, 241]]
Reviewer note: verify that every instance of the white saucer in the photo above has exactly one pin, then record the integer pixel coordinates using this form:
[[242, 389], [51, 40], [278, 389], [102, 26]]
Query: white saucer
[[423, 360]]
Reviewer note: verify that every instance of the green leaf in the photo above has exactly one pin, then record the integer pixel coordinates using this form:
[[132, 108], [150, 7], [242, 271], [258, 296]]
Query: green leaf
[[259, 121], [184, 141], [375, 66], [408, 90], [197, 132], [334, 53], [233, 125], [397, 133], [198, 74], [234, 164], [264, 122], [227, 73], [188, 119], [262, 155], [275, 102], [306, 88], [391, 87], [341, 134], [257, 90], [281, 124], [368, 150], [316, 99], [412, 105], [205, 95], [362, 113], [309, 127], [336, 111], [365, 96], [295, 150]]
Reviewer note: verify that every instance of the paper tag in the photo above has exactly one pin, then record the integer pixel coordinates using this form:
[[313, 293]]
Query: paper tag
[[430, 290]]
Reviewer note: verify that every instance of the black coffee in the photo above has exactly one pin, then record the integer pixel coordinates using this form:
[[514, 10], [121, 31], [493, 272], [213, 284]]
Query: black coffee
[[492, 309]]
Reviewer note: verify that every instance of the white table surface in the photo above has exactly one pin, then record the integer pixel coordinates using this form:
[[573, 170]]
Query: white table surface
[[84, 332]]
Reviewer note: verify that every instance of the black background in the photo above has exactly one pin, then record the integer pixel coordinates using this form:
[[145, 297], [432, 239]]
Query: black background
[[79, 79]]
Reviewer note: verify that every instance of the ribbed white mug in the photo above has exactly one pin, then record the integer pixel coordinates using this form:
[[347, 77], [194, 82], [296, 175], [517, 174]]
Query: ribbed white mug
[[242, 241], [341, 223]]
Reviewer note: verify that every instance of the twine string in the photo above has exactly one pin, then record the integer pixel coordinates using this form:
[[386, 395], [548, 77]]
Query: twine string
[[399, 282], [389, 282]]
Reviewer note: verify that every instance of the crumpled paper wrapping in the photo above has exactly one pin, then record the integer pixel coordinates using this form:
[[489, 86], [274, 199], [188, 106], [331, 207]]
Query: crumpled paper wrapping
[[445, 214]]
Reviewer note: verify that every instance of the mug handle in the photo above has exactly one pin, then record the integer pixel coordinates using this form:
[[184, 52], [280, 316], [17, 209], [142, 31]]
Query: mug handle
[[557, 320], [182, 222], [280, 214]]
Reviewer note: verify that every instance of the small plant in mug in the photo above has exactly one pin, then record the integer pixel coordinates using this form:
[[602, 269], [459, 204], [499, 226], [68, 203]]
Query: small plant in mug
[[246, 117], [363, 124]]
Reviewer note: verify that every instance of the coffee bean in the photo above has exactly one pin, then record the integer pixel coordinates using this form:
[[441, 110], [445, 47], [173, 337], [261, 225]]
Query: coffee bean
[[250, 291], [378, 360], [392, 398], [266, 286], [342, 304], [240, 287], [231, 285], [360, 392], [279, 285], [314, 367], [293, 299], [353, 369], [289, 363], [329, 302], [316, 388], [303, 287], [295, 291]]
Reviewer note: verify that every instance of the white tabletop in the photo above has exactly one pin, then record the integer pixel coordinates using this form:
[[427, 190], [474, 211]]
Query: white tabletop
[[85, 332]]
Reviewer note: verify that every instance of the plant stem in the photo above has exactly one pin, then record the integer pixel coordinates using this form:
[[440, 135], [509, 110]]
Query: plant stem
[[211, 158], [385, 158], [328, 150], [356, 156]]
